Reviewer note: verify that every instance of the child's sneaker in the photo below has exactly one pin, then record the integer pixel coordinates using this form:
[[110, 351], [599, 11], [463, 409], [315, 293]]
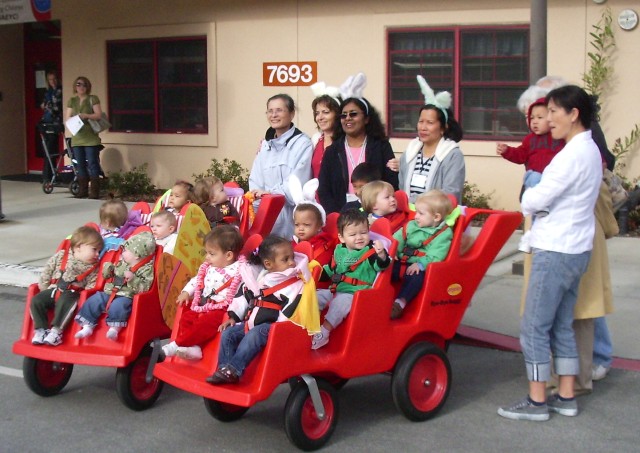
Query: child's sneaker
[[53, 338], [320, 339], [112, 333], [568, 408], [524, 409], [86, 331], [39, 336], [396, 309], [524, 245], [189, 353], [170, 349]]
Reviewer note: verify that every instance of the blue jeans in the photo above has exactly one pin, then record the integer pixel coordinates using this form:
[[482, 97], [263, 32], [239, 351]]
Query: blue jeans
[[546, 327], [411, 284], [238, 349], [93, 307], [602, 346], [87, 161]]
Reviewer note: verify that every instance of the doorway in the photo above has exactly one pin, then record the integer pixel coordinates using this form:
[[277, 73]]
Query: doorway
[[42, 53]]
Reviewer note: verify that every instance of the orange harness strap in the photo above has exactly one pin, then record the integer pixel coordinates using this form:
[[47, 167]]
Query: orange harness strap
[[408, 252], [260, 302], [63, 285], [338, 278], [133, 269]]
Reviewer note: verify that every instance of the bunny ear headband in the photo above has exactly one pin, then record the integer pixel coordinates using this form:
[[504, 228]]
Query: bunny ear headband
[[353, 88], [441, 100], [306, 194], [322, 89]]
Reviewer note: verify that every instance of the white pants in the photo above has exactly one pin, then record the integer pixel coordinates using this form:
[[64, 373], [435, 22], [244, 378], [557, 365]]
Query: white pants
[[339, 305]]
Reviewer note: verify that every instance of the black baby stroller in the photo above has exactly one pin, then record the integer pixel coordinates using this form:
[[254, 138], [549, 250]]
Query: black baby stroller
[[55, 173]]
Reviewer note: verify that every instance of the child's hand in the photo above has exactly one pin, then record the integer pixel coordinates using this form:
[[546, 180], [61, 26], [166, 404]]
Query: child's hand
[[393, 164], [413, 269], [182, 298], [128, 274], [501, 148], [228, 323], [379, 248]]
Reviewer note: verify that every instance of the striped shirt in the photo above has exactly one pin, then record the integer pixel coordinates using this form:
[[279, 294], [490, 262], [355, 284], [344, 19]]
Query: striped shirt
[[422, 167]]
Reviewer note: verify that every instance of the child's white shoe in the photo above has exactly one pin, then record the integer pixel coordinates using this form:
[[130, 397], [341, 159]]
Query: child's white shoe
[[320, 339], [524, 245], [39, 336], [170, 349], [189, 353], [112, 333], [86, 331], [54, 337]]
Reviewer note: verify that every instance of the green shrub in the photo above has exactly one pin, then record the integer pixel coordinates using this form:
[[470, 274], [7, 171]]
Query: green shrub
[[227, 170], [473, 198], [134, 183]]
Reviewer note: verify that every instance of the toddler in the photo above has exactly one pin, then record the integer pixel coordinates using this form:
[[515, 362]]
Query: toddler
[[355, 264], [536, 152], [213, 200], [132, 275], [274, 297], [63, 277], [182, 193], [362, 174], [164, 227], [379, 200], [214, 291], [422, 241], [116, 223]]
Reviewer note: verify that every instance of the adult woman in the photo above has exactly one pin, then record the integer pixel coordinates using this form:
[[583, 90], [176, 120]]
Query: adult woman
[[360, 139], [433, 160], [326, 114], [51, 122], [86, 144], [562, 243], [284, 151]]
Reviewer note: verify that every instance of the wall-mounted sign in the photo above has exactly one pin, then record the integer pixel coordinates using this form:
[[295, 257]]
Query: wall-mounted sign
[[297, 73], [17, 11]]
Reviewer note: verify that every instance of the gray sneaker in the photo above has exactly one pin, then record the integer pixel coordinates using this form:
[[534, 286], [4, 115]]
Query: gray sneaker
[[524, 410], [567, 408]]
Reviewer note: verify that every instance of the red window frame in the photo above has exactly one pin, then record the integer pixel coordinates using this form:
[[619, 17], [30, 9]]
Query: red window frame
[[192, 105], [507, 112]]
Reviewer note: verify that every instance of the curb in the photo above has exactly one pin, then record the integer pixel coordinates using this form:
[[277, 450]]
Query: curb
[[19, 274]]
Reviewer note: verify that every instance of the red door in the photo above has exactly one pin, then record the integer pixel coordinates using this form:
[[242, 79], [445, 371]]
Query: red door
[[42, 52]]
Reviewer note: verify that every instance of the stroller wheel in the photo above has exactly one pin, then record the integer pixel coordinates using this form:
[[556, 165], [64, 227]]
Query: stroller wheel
[[47, 187], [74, 188]]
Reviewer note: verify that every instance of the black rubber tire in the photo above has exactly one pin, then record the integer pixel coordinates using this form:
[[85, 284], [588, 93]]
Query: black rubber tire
[[74, 187], [132, 387], [47, 187], [224, 412], [46, 378], [421, 381], [301, 424]]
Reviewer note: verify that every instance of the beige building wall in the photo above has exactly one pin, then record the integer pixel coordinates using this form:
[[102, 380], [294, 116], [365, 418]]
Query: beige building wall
[[13, 159], [343, 38]]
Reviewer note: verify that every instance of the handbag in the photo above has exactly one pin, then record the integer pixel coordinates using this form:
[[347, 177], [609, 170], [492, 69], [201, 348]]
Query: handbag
[[100, 125], [619, 195]]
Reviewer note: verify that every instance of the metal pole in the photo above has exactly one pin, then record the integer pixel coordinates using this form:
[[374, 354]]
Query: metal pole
[[1, 214], [538, 41]]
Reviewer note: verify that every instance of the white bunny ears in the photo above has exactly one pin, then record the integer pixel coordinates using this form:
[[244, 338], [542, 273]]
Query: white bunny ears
[[441, 100], [306, 194], [353, 88], [322, 89]]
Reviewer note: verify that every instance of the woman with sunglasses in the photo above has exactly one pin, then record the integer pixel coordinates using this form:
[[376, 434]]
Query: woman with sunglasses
[[86, 144], [284, 151], [360, 139]]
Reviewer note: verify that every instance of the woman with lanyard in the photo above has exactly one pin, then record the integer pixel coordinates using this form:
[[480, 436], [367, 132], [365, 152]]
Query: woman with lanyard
[[361, 139], [284, 151], [433, 160]]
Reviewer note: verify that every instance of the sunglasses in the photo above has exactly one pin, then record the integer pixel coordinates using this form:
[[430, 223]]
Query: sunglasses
[[344, 116], [80, 84]]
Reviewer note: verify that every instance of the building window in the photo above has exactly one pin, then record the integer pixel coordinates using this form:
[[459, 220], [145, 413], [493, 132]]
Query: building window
[[485, 69], [158, 85]]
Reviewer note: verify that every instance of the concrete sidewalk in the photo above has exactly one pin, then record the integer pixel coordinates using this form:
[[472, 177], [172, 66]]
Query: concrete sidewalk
[[35, 223]]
